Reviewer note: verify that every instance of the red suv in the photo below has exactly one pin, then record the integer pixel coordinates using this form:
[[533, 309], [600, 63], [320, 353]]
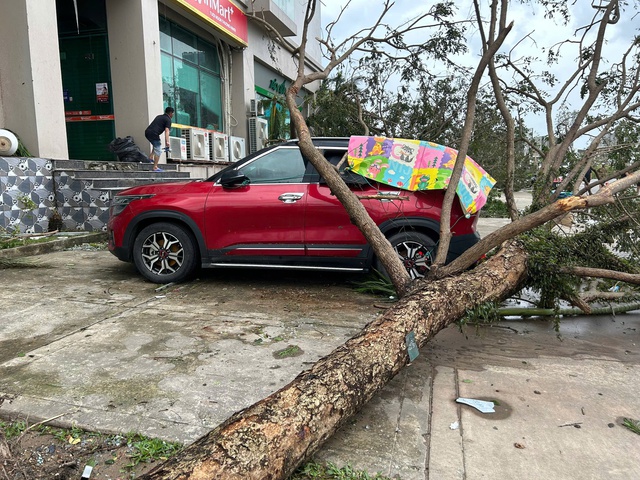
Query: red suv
[[273, 210]]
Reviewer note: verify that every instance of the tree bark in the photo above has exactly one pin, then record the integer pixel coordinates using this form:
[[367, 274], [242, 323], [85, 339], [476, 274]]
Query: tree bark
[[271, 438], [602, 273]]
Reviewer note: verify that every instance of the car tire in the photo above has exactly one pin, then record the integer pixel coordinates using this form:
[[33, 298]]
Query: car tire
[[164, 253], [416, 251]]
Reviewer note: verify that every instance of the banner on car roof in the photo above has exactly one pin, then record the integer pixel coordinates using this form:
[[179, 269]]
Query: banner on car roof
[[418, 165]]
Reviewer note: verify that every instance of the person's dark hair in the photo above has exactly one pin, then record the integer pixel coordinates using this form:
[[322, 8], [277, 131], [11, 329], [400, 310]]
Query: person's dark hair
[[169, 110]]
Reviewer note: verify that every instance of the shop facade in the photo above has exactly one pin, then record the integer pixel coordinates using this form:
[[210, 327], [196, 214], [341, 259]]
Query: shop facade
[[75, 81]]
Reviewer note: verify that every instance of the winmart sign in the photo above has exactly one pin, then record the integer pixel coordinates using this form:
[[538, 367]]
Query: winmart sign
[[222, 14]]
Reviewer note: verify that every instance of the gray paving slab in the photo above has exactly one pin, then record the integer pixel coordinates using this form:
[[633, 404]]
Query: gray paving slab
[[108, 351], [86, 340]]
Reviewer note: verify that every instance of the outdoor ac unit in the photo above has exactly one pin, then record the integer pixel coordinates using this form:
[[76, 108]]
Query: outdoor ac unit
[[219, 143], [255, 107], [199, 144], [258, 134], [178, 146], [185, 133], [237, 149]]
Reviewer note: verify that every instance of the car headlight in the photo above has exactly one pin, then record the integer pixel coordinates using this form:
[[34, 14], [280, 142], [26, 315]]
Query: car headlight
[[120, 202]]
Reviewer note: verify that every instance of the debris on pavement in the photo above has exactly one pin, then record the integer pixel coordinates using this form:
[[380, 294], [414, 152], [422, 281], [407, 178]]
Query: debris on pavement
[[480, 405]]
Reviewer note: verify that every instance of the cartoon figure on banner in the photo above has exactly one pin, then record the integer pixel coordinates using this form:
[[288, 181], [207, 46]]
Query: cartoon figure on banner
[[375, 168], [423, 183], [449, 158], [470, 182], [376, 150], [404, 153]]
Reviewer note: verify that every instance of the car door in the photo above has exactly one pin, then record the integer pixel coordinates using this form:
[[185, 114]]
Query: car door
[[329, 232], [263, 218]]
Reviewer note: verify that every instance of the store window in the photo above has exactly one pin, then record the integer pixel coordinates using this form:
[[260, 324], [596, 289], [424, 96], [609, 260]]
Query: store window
[[276, 113], [191, 82]]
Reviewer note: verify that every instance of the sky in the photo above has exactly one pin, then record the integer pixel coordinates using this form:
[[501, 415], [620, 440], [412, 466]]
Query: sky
[[528, 20]]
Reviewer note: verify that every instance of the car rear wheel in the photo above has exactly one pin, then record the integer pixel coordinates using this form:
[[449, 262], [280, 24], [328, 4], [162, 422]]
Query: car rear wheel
[[415, 250], [164, 253]]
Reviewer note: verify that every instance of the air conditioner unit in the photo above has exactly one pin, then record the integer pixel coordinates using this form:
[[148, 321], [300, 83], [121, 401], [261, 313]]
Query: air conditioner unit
[[237, 149], [219, 147], [255, 107], [178, 146], [258, 134], [185, 133], [198, 144]]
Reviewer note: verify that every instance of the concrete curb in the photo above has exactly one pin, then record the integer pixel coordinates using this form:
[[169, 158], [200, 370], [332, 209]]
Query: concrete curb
[[53, 246]]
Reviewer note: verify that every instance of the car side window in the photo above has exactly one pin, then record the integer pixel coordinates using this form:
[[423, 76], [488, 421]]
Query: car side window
[[335, 157], [282, 165]]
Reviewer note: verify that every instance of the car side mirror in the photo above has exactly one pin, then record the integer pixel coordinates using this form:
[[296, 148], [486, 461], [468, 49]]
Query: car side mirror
[[233, 178]]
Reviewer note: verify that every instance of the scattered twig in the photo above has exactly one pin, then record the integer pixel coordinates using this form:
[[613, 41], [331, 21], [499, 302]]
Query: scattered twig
[[382, 196], [41, 234], [5, 451], [593, 295], [165, 286], [31, 427], [549, 312], [574, 424]]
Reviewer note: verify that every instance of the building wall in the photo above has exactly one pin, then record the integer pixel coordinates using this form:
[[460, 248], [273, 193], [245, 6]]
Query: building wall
[[31, 82], [134, 51], [26, 183], [31, 96]]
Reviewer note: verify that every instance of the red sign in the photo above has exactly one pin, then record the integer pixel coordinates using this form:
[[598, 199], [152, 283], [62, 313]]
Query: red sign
[[89, 118], [223, 14], [77, 112]]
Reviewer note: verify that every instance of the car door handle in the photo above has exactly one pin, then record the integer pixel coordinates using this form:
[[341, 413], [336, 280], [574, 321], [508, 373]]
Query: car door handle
[[290, 197]]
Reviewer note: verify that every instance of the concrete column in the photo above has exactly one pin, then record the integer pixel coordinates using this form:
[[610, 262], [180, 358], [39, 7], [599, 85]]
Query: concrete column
[[31, 96], [136, 74], [242, 90]]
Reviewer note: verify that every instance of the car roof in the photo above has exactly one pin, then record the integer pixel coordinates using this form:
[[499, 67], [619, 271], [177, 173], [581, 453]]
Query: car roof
[[324, 141]]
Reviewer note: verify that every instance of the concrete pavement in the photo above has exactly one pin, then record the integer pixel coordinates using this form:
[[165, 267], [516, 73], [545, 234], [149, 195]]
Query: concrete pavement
[[84, 337]]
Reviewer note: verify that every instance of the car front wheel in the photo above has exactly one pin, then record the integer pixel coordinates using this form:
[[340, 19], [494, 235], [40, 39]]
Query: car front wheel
[[164, 253], [416, 252]]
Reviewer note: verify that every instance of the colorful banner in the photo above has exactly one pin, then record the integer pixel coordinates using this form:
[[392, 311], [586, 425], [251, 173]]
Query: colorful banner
[[418, 165]]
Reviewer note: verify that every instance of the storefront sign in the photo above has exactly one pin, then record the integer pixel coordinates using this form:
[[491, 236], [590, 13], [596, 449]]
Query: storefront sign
[[223, 14], [280, 88]]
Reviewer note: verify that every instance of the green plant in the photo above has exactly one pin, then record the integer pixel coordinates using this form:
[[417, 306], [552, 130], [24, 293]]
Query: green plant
[[376, 284], [330, 471], [13, 429], [633, 425], [26, 206], [484, 314], [495, 206], [290, 351], [276, 112], [145, 449]]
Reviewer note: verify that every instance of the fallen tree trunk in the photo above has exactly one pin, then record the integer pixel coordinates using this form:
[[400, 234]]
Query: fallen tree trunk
[[271, 438]]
